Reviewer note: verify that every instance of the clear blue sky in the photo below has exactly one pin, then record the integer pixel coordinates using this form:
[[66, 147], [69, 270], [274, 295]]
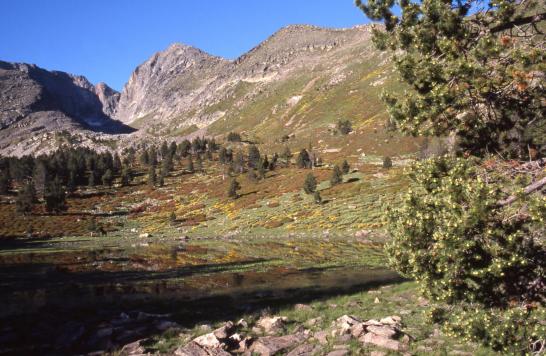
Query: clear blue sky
[[106, 39]]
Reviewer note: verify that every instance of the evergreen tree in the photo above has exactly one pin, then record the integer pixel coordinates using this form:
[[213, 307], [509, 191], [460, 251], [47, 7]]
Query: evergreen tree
[[55, 197], [337, 176], [26, 197], [344, 126], [161, 180], [108, 178], [116, 169], [234, 186], [239, 162], [145, 158], [152, 177], [234, 137], [286, 156], [172, 149], [199, 163], [310, 184], [4, 181], [251, 174], [387, 162], [126, 176], [253, 156], [222, 155], [184, 148], [262, 169], [303, 160], [164, 150], [172, 218], [316, 197], [470, 66], [40, 176], [152, 154], [345, 167], [190, 168]]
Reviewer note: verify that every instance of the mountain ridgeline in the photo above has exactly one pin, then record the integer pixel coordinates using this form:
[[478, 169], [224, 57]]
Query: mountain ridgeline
[[297, 83]]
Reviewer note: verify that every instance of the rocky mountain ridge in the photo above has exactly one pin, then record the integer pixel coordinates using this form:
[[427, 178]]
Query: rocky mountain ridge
[[298, 82]]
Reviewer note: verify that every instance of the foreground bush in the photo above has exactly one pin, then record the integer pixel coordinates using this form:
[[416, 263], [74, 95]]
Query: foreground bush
[[478, 258]]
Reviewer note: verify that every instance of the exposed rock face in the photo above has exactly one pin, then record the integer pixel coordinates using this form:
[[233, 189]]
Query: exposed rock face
[[184, 86], [34, 101], [183, 91]]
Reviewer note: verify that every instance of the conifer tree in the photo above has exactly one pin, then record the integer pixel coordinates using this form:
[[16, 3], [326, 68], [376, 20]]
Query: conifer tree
[[234, 186], [152, 177], [26, 197], [4, 181], [55, 196], [345, 167], [317, 198], [108, 178], [387, 162], [303, 160], [190, 168], [337, 176], [253, 156], [310, 184], [145, 158]]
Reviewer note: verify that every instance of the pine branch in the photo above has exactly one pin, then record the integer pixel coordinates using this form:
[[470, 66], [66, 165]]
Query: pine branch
[[519, 21], [528, 190]]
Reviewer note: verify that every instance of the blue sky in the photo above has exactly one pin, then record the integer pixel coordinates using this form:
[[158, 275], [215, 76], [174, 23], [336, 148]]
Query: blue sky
[[106, 39]]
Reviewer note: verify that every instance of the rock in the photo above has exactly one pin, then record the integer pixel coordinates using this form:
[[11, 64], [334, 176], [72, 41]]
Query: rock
[[303, 350], [376, 300], [385, 331], [242, 323], [314, 321], [362, 233], [270, 345], [338, 353], [225, 331], [377, 353], [303, 307], [272, 325], [134, 348], [382, 341], [208, 341], [357, 330], [193, 349], [321, 337], [345, 338], [343, 324], [144, 235], [391, 320]]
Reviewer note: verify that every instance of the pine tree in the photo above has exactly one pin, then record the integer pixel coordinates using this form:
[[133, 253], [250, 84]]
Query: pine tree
[[344, 126], [317, 198], [234, 186], [190, 168], [40, 177], [222, 155], [152, 177], [26, 197], [4, 181], [55, 197], [303, 160], [337, 176], [199, 163], [470, 66], [286, 156], [126, 176], [387, 162], [310, 184], [251, 174], [253, 156], [145, 158], [345, 167], [108, 178]]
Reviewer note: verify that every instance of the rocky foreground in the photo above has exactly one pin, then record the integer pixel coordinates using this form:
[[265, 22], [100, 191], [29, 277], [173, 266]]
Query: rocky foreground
[[268, 337]]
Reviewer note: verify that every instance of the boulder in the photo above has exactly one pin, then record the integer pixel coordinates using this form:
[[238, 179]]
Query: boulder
[[272, 325], [270, 345], [144, 235], [193, 349], [208, 341], [134, 348], [343, 324], [304, 350], [341, 352], [382, 341], [385, 330], [225, 331], [321, 337]]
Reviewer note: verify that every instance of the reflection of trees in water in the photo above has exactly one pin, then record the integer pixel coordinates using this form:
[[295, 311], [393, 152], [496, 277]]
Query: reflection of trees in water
[[238, 279]]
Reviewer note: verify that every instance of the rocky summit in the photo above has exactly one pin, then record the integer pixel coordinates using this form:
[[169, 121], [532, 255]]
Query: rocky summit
[[289, 84]]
